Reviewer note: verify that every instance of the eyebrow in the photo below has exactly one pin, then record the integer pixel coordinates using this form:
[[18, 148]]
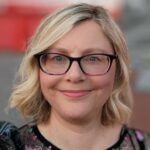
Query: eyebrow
[[61, 50], [84, 51]]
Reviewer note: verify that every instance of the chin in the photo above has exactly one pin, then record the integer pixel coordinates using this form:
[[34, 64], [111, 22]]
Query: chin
[[77, 115], [77, 119]]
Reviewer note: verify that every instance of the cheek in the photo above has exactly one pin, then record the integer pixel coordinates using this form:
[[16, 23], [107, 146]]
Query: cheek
[[104, 86], [44, 81], [109, 78], [106, 81], [48, 84]]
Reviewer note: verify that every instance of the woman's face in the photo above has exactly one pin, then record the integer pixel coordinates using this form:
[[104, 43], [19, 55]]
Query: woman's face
[[75, 95]]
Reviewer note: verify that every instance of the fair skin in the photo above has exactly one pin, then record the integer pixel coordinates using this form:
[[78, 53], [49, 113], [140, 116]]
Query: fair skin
[[77, 99]]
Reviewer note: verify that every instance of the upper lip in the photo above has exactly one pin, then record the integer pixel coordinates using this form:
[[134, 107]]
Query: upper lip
[[75, 91]]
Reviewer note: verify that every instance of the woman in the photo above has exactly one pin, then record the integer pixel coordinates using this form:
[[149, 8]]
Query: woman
[[74, 84]]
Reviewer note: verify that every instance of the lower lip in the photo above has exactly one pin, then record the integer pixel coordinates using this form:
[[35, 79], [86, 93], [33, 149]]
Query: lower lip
[[75, 94]]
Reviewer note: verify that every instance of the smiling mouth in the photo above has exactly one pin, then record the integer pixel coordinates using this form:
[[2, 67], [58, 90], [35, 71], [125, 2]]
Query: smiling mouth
[[75, 93]]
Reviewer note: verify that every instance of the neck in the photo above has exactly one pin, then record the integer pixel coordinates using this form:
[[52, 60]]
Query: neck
[[73, 135]]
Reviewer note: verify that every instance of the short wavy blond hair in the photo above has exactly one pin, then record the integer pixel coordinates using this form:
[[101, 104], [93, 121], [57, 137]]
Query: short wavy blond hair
[[27, 96]]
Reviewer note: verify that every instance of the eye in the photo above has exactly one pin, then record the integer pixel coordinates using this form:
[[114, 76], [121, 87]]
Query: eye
[[55, 58], [92, 59], [58, 58]]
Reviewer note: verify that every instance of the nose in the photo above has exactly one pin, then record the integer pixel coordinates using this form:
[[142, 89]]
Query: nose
[[75, 73]]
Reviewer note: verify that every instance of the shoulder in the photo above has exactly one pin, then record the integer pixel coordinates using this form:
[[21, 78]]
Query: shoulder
[[7, 129], [26, 132], [28, 138], [139, 138], [27, 128]]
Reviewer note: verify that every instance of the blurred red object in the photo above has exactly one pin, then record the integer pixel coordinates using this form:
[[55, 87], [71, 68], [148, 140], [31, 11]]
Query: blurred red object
[[18, 23], [11, 32]]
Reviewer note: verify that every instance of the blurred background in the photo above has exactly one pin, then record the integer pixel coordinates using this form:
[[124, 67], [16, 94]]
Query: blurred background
[[19, 19]]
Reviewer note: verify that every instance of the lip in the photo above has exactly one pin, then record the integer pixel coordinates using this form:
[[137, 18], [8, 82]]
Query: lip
[[75, 93]]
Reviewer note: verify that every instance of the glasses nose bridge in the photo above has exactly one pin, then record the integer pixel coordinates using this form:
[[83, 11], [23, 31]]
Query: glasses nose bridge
[[75, 59]]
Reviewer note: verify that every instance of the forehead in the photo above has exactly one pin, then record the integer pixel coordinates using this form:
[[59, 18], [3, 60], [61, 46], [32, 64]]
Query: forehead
[[85, 35]]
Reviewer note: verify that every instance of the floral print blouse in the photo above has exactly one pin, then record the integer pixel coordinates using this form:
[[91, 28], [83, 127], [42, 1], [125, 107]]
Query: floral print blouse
[[8, 131], [29, 137], [130, 139]]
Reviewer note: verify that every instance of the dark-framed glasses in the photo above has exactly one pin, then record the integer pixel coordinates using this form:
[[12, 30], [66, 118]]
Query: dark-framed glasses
[[91, 64]]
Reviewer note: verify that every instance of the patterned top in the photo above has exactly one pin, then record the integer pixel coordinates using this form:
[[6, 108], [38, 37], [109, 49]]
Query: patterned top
[[28, 137], [130, 139], [7, 136]]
